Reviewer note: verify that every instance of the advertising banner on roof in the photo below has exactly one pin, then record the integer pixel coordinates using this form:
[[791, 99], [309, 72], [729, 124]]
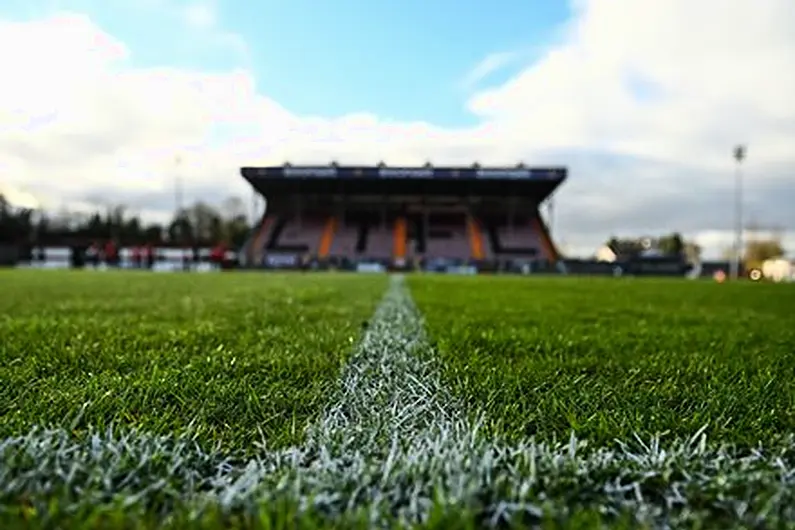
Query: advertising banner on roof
[[406, 172], [303, 172], [503, 173]]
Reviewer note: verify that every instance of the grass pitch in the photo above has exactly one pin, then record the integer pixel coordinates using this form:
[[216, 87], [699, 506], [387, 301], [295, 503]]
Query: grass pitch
[[608, 359], [237, 358], [193, 371]]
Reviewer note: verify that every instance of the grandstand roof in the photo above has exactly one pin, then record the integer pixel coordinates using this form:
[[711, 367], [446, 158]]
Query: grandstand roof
[[518, 181]]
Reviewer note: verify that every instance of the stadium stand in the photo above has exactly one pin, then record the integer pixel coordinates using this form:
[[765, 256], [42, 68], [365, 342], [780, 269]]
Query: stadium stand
[[402, 217]]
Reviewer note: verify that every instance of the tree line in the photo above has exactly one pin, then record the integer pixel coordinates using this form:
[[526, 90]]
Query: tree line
[[197, 225], [673, 244], [756, 249]]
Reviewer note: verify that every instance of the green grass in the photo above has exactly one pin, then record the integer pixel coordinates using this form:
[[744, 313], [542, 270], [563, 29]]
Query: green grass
[[156, 386], [607, 358], [235, 357]]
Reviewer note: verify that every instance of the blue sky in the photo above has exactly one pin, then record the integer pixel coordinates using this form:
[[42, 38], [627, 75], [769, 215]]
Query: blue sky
[[351, 55], [404, 60]]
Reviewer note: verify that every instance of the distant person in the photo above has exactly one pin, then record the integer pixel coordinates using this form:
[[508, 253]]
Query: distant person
[[77, 256], [111, 254], [136, 254], [217, 254], [93, 255], [186, 255], [149, 256]]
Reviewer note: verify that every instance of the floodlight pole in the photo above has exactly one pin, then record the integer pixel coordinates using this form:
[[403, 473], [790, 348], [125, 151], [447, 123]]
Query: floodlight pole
[[178, 199], [177, 184], [739, 155]]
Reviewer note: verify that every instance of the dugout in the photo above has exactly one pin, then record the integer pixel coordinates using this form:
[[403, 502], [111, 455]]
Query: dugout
[[401, 217]]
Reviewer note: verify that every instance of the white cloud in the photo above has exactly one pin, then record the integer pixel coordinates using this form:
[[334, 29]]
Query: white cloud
[[643, 100], [18, 198], [488, 65]]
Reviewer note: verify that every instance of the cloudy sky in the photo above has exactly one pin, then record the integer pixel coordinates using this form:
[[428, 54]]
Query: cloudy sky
[[642, 99]]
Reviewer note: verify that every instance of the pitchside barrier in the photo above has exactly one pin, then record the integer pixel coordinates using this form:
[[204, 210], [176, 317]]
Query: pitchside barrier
[[170, 259], [165, 259], [657, 266]]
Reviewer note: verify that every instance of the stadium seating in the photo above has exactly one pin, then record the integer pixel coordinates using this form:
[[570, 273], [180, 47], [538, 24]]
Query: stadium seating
[[378, 242], [297, 234], [443, 235], [345, 240], [514, 238], [447, 237]]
